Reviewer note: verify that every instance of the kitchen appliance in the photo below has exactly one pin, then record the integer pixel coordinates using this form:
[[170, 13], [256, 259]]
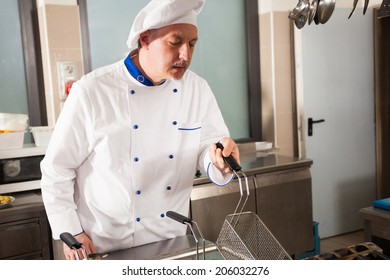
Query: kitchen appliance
[[243, 235], [20, 169]]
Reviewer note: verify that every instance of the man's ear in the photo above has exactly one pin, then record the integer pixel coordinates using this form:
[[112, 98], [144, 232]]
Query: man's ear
[[144, 39]]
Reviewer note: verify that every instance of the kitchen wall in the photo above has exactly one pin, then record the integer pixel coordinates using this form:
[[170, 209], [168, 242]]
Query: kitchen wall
[[277, 80]]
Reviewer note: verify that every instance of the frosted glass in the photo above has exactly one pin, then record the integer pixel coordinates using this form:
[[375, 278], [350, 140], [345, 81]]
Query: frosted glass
[[13, 92]]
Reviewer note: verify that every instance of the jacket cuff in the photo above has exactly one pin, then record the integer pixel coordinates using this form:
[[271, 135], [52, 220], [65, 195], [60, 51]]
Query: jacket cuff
[[215, 175], [65, 222]]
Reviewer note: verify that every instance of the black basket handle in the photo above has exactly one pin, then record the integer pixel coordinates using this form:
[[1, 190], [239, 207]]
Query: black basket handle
[[230, 161], [70, 240], [178, 217]]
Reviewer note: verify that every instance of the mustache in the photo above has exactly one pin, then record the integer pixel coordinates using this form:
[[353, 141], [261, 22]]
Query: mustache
[[182, 63]]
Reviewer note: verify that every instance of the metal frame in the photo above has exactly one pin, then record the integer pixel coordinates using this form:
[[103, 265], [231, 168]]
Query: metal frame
[[33, 62], [253, 62], [382, 88]]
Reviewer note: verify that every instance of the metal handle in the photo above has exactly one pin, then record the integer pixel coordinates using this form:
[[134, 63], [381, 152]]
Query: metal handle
[[236, 168], [187, 221], [73, 244], [310, 125], [366, 3], [230, 161]]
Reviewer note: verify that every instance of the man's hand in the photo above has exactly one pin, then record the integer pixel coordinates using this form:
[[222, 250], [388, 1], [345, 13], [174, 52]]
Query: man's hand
[[216, 154], [87, 243]]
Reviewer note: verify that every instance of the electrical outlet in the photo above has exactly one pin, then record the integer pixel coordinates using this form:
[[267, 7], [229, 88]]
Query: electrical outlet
[[67, 75]]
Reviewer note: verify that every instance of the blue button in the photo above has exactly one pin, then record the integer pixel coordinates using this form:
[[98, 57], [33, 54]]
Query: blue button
[[141, 78], [174, 122], [169, 188], [138, 192], [171, 156], [138, 219], [175, 90], [162, 215], [132, 91], [136, 159], [135, 126]]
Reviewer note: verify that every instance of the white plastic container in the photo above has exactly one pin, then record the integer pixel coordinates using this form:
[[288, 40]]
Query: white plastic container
[[262, 146], [11, 140], [42, 135], [13, 122]]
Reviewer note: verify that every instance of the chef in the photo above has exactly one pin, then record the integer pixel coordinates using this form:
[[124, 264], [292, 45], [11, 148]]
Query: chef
[[131, 136]]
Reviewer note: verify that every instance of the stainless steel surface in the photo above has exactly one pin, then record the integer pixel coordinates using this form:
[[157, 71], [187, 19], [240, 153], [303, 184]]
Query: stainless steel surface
[[301, 21], [366, 3], [284, 204], [301, 9], [325, 10], [179, 248], [187, 221], [353, 7], [312, 11], [300, 13], [258, 163]]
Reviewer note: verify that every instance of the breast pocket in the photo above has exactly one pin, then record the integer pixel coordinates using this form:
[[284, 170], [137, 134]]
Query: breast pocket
[[189, 140]]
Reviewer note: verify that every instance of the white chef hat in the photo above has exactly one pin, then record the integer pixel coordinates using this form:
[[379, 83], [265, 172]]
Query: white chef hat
[[160, 13]]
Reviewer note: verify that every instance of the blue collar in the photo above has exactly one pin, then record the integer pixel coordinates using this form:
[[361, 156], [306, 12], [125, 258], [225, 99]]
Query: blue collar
[[135, 73]]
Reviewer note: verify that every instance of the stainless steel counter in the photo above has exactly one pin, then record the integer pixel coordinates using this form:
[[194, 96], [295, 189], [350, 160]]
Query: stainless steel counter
[[179, 248], [259, 163]]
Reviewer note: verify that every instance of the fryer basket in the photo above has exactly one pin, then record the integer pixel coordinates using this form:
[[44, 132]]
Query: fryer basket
[[245, 237]]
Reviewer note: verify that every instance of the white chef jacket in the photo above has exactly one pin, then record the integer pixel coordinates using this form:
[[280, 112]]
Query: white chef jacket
[[123, 154]]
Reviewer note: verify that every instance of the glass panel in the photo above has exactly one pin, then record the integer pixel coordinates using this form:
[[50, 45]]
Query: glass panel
[[13, 92], [220, 55]]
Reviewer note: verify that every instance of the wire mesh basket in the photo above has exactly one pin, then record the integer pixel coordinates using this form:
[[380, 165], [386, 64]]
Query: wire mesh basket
[[245, 237]]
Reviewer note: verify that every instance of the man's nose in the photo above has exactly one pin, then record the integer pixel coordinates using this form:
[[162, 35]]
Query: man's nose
[[185, 52]]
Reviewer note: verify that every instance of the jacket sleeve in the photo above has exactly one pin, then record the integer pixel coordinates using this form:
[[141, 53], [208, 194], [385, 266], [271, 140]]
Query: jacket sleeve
[[70, 144], [213, 129]]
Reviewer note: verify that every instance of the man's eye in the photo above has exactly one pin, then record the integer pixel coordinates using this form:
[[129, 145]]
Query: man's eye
[[174, 43]]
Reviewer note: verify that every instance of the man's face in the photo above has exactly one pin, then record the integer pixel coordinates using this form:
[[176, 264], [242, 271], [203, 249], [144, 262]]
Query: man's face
[[171, 48]]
